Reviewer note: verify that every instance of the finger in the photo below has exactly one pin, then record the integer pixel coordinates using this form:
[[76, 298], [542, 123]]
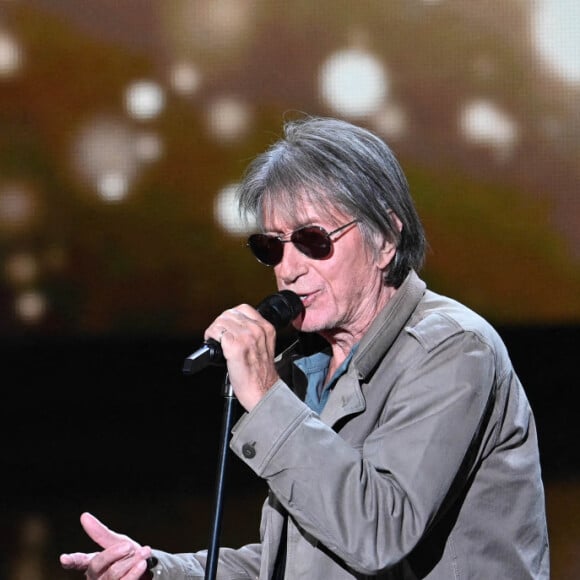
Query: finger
[[245, 322], [100, 533], [243, 313], [231, 319], [76, 560], [119, 561]]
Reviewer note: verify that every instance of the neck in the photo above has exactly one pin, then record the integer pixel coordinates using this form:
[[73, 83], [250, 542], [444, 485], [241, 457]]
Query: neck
[[342, 339]]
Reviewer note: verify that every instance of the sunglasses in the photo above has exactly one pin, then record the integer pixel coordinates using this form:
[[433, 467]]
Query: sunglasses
[[312, 241]]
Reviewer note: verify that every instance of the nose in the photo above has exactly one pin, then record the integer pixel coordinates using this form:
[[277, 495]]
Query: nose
[[293, 265]]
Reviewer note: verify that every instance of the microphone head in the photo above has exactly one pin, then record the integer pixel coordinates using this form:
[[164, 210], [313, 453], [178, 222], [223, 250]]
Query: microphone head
[[281, 308]]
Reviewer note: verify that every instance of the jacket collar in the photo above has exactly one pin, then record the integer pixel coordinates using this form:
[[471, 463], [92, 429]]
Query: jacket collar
[[347, 397]]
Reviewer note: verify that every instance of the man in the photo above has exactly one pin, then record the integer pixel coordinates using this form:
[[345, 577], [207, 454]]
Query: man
[[405, 448]]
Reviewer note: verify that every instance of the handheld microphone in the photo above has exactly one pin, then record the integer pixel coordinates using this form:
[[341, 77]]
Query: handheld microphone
[[279, 309]]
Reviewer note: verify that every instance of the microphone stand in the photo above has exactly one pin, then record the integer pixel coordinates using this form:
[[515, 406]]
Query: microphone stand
[[227, 420]]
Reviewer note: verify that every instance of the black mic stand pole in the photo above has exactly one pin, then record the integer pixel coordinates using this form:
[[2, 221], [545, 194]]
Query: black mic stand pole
[[227, 420]]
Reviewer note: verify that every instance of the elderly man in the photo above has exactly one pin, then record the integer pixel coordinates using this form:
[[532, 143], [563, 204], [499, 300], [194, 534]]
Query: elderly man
[[403, 448]]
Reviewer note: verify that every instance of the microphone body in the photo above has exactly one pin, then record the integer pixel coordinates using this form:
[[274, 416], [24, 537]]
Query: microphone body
[[279, 309]]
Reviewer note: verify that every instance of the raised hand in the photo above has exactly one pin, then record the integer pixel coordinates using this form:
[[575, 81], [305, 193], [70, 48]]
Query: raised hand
[[121, 558]]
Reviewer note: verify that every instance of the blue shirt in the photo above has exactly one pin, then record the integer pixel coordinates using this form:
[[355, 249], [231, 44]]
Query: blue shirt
[[315, 367]]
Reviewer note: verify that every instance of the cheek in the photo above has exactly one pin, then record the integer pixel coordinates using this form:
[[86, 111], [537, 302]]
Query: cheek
[[355, 272], [355, 282]]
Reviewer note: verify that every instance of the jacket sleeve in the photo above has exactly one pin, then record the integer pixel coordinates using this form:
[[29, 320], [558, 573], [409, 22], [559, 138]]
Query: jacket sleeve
[[240, 564], [371, 499]]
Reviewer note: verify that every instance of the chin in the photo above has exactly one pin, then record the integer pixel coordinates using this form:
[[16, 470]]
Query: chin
[[312, 324]]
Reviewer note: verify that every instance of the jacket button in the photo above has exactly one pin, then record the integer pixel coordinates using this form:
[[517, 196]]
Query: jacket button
[[248, 450]]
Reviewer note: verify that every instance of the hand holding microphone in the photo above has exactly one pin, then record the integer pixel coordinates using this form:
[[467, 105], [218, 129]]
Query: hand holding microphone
[[278, 309], [248, 343]]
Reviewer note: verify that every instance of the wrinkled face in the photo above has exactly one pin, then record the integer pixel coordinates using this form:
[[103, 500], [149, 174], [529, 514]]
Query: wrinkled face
[[340, 293]]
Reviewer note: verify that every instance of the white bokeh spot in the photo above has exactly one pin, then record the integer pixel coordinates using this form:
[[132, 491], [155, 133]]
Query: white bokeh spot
[[556, 33], [354, 83], [482, 122], [144, 100]]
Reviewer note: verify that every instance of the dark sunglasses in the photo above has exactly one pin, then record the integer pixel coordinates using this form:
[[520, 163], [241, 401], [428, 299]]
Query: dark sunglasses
[[312, 241]]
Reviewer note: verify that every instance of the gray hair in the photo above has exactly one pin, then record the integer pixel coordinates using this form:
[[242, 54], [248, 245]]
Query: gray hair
[[338, 166]]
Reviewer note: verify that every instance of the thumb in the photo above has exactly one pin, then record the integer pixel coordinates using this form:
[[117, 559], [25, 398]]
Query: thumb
[[100, 533]]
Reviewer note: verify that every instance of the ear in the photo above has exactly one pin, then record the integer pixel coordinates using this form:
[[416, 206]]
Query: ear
[[386, 254], [388, 248]]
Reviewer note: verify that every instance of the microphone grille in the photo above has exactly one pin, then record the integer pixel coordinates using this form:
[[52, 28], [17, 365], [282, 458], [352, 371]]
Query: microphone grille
[[281, 308]]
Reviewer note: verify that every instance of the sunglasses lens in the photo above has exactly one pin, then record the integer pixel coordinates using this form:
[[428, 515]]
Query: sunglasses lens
[[313, 242], [267, 249]]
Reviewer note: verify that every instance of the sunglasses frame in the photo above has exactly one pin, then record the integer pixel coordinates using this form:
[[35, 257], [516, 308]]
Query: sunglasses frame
[[291, 238]]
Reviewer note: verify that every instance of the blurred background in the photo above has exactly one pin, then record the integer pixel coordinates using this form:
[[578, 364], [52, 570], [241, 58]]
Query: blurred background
[[125, 126]]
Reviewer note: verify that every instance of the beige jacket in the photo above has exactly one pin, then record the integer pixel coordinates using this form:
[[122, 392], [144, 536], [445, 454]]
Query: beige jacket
[[423, 464]]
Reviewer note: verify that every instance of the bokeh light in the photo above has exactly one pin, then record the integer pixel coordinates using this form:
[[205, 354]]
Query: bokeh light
[[144, 100], [185, 78], [20, 208], [390, 121], [353, 82], [30, 306], [21, 269], [11, 57], [556, 32], [106, 157], [228, 119], [483, 122]]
